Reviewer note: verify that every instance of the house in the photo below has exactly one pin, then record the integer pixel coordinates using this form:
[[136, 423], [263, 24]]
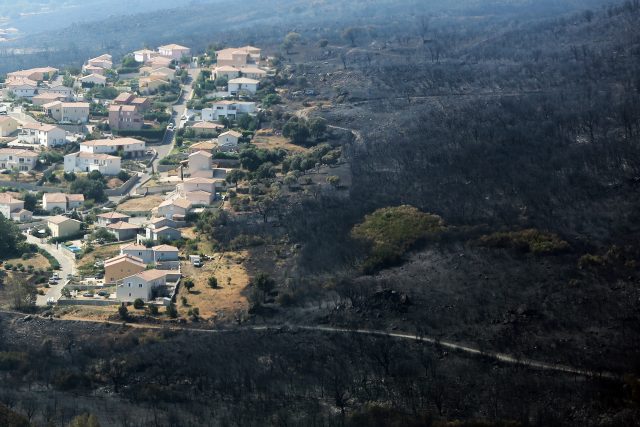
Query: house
[[163, 73], [88, 162], [174, 51], [61, 226], [166, 234], [129, 147], [163, 253], [8, 125], [93, 79], [144, 55], [201, 183], [253, 73], [208, 146], [159, 61], [57, 89], [71, 112], [121, 266], [242, 86], [200, 197], [22, 88], [149, 85], [140, 251], [62, 201], [103, 61], [111, 218], [141, 285], [125, 117], [201, 161], [13, 208], [46, 98], [206, 128], [16, 158], [43, 134], [227, 71], [92, 69], [35, 74], [229, 138], [123, 230], [169, 208], [162, 222], [227, 109], [238, 57], [142, 104]]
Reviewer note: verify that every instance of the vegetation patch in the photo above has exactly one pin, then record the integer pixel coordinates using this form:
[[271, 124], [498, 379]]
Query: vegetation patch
[[526, 241], [393, 231]]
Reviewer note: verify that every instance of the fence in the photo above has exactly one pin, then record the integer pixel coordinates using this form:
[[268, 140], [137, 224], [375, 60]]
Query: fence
[[124, 188]]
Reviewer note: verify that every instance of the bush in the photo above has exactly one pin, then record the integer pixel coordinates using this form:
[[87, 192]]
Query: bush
[[138, 304], [172, 311], [153, 310], [123, 312], [530, 240], [213, 282]]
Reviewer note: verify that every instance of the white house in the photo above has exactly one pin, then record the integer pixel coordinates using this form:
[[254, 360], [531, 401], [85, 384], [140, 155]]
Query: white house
[[8, 125], [62, 201], [253, 73], [16, 158], [144, 55], [227, 109], [13, 208], [141, 285], [88, 162], [200, 183], [227, 71], [43, 134], [140, 251], [72, 112], [22, 88], [103, 61], [123, 230], [162, 233], [131, 147], [57, 89], [165, 253], [170, 208], [229, 138], [61, 226], [174, 51], [243, 86], [94, 79], [200, 197], [111, 218], [201, 161]]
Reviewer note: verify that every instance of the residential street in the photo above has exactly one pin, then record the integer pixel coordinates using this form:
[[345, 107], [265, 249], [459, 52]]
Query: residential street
[[67, 267]]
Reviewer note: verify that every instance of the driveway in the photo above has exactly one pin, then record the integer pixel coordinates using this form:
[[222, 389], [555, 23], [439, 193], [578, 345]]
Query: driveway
[[67, 267]]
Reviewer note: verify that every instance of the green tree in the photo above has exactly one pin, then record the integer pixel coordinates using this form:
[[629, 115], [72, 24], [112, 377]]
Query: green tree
[[188, 284], [91, 189], [172, 311], [11, 238], [30, 201], [213, 282], [290, 40], [138, 304], [296, 129], [264, 284], [123, 312]]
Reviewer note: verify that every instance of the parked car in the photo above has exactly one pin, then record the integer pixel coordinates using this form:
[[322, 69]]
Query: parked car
[[103, 293], [88, 294]]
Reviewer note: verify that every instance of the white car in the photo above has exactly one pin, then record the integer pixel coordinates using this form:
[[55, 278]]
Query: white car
[[170, 127]]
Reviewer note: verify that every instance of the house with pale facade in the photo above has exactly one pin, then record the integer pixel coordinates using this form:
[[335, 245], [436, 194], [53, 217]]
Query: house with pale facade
[[93, 80], [208, 146], [242, 86], [69, 112], [35, 74], [144, 55], [253, 73], [22, 88], [163, 234], [123, 230], [201, 183], [61, 226], [8, 126], [18, 159], [111, 218], [201, 164], [43, 134], [139, 251], [227, 109], [46, 98], [125, 117], [141, 285], [226, 71], [164, 253], [174, 51], [62, 201], [57, 89], [238, 57], [171, 208], [13, 208], [103, 61], [206, 128], [129, 147], [200, 198], [81, 161], [121, 266], [229, 138]]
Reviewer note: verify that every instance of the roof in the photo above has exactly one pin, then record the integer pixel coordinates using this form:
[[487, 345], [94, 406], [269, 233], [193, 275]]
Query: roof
[[112, 142], [123, 97], [199, 193], [205, 145], [40, 126], [183, 203], [8, 198], [232, 133], [134, 247], [165, 248], [94, 76], [97, 156], [207, 125], [121, 225], [55, 197], [66, 104], [173, 47], [151, 274], [124, 257], [253, 70], [50, 95], [139, 100], [59, 219], [165, 228], [224, 68], [201, 153], [18, 152], [6, 119], [200, 180], [113, 215], [244, 80], [75, 197]]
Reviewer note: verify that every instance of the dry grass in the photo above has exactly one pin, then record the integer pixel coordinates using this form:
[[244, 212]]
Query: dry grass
[[37, 261], [142, 204], [224, 300], [86, 312], [274, 142], [99, 253]]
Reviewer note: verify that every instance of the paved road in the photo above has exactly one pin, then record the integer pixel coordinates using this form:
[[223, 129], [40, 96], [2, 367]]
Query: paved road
[[67, 267]]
